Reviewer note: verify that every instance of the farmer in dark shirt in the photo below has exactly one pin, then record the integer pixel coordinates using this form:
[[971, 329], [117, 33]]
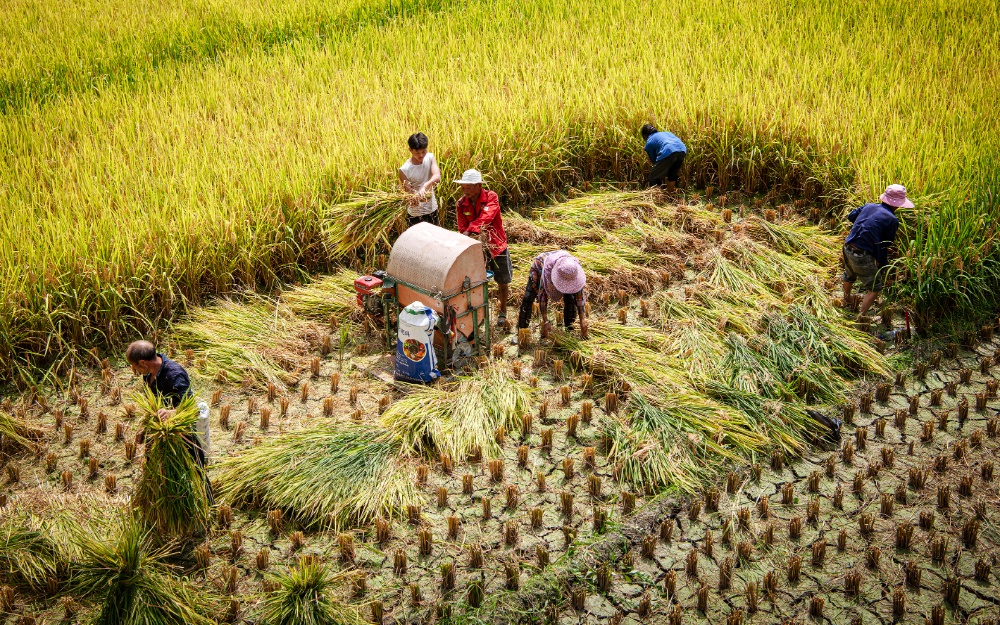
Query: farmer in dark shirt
[[866, 250], [164, 377], [170, 381], [666, 152]]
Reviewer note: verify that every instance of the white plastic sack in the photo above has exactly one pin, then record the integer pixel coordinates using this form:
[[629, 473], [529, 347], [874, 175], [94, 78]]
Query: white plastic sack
[[204, 430], [415, 357]]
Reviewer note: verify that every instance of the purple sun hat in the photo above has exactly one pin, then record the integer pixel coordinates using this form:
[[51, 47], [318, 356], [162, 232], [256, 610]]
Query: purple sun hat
[[895, 195], [568, 276]]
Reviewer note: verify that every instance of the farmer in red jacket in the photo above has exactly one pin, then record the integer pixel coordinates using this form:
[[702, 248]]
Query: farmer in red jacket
[[479, 216]]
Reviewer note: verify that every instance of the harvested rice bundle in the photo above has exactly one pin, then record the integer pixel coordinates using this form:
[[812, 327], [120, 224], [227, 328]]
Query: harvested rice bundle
[[709, 313], [15, 435], [699, 349], [733, 283], [677, 441], [123, 570], [521, 230], [598, 212], [29, 557], [791, 352], [696, 329], [628, 357], [253, 339], [791, 276], [784, 423], [838, 343], [523, 253], [170, 496], [327, 296], [795, 237], [330, 473], [653, 238], [305, 595], [620, 266], [457, 418], [366, 224]]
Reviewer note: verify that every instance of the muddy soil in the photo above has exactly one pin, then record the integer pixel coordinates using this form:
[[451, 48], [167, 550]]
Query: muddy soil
[[909, 539]]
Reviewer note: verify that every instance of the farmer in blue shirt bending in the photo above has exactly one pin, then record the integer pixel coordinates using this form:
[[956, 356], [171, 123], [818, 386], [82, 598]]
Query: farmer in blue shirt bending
[[666, 152], [866, 250]]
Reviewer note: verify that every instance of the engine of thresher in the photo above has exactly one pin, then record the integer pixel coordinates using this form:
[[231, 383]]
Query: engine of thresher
[[370, 292]]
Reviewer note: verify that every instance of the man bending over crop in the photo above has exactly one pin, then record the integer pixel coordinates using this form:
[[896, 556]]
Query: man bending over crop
[[478, 215], [866, 250], [666, 152], [555, 275], [168, 380]]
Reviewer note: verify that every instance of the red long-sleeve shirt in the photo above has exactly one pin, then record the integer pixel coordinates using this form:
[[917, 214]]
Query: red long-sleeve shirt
[[483, 214]]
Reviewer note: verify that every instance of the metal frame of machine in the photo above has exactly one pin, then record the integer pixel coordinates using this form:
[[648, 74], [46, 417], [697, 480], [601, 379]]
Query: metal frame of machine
[[481, 338]]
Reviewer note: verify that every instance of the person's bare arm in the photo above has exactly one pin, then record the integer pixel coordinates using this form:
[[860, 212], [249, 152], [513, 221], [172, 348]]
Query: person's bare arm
[[433, 180]]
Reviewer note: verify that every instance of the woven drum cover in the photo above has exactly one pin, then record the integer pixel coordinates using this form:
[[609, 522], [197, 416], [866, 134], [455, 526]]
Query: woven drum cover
[[436, 260]]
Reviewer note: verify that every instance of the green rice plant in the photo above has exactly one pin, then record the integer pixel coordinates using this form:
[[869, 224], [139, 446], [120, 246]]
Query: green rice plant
[[170, 496], [122, 569], [254, 339], [456, 418], [326, 297], [366, 224], [329, 473], [29, 555], [305, 596]]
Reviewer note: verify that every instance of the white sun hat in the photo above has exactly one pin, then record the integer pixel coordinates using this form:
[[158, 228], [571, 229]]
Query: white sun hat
[[471, 176]]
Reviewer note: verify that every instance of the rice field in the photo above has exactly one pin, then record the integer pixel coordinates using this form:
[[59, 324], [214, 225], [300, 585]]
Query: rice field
[[213, 175], [195, 148], [666, 468]]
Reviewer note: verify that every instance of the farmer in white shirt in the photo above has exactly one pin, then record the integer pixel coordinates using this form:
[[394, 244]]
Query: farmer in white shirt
[[417, 176]]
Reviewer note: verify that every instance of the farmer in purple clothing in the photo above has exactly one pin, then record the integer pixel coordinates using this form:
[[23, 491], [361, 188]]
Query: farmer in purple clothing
[[553, 276], [666, 152], [866, 250]]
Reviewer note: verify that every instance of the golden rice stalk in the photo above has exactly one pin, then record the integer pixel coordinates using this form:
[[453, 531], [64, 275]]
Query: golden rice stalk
[[342, 474], [457, 418], [325, 297], [253, 339], [366, 223]]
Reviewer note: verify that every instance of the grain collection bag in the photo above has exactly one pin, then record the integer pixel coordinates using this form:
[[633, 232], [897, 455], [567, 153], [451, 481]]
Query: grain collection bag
[[415, 358]]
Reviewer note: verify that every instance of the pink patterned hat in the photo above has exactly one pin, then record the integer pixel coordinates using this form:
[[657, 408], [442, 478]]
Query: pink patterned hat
[[568, 276], [895, 195]]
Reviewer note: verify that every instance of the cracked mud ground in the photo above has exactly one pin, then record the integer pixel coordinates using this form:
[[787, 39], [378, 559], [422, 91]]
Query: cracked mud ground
[[895, 522]]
